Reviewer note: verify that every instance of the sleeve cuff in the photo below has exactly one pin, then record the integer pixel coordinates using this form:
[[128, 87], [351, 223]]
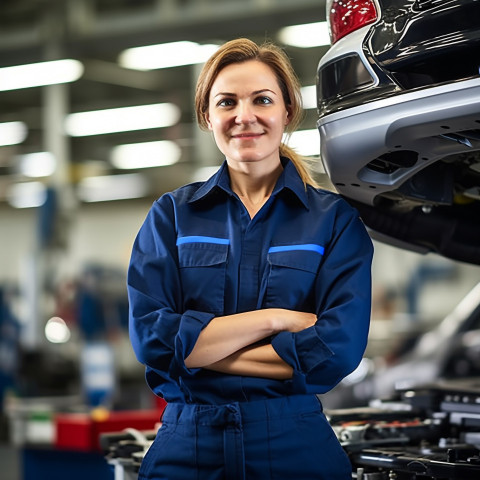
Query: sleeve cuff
[[191, 324], [303, 350]]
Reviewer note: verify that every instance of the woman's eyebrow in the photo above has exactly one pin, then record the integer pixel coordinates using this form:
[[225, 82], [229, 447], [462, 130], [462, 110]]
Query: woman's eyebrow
[[225, 94], [256, 92]]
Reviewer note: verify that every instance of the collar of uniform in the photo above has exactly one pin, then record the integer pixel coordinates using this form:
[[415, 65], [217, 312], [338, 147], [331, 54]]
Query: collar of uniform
[[220, 180], [289, 179]]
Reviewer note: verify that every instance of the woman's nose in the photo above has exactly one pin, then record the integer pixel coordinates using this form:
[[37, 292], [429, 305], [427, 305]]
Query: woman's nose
[[245, 114]]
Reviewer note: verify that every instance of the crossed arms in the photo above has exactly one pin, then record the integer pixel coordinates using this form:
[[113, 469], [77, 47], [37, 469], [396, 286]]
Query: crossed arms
[[236, 343]]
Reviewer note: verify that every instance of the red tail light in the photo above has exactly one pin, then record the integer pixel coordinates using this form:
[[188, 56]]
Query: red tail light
[[346, 16]]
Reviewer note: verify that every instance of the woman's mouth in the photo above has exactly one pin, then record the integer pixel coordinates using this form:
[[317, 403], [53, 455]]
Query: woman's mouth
[[247, 135]]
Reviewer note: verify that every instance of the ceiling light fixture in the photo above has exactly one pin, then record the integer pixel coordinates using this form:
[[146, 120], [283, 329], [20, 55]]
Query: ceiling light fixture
[[305, 36], [305, 142], [27, 195], [202, 174], [123, 119], [112, 187], [40, 74], [309, 97], [12, 133], [36, 165], [166, 55], [145, 155]]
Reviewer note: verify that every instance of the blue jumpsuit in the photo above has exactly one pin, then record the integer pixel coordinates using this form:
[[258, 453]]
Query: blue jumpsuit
[[199, 255]]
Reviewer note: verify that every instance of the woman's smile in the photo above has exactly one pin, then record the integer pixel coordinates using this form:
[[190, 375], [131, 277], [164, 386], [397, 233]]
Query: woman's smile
[[247, 135]]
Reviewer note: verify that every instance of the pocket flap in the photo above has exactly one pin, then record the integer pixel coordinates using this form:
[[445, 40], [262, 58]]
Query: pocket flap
[[301, 257], [202, 254]]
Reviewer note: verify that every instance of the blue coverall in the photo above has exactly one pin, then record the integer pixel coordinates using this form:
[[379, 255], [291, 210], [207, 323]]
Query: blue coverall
[[199, 255]]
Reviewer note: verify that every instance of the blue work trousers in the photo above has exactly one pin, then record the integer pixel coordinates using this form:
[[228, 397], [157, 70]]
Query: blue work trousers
[[286, 438]]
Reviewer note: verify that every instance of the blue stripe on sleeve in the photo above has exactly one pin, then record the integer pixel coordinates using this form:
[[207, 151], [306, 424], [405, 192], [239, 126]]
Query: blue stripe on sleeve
[[199, 238], [307, 246]]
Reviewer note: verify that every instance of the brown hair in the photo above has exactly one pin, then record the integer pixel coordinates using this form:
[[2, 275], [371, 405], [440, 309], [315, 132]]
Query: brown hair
[[242, 50]]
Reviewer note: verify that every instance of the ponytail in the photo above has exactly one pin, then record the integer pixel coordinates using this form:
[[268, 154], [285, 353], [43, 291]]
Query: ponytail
[[300, 164]]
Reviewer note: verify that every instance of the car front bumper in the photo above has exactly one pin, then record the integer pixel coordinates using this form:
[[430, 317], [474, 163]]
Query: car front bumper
[[419, 126]]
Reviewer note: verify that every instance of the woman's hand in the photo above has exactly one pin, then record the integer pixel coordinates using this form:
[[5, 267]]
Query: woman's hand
[[226, 335]]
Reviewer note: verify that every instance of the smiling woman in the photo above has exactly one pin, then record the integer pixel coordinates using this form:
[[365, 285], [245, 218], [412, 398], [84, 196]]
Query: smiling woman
[[239, 54], [247, 115], [250, 292]]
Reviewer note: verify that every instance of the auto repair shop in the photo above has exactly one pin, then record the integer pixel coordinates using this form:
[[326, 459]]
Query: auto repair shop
[[97, 121]]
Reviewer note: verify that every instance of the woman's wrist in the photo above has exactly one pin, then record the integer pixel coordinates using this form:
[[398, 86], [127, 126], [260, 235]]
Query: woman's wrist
[[275, 320]]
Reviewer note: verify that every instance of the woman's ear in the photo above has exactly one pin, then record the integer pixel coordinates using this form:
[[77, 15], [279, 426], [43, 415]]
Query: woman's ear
[[288, 116], [207, 121]]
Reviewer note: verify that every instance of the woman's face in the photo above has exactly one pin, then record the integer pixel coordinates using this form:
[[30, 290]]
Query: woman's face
[[247, 113]]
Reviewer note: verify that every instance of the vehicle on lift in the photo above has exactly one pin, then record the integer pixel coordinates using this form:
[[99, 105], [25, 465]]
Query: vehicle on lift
[[399, 120]]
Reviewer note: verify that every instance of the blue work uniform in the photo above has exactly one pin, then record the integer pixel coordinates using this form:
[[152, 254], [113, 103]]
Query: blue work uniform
[[199, 255]]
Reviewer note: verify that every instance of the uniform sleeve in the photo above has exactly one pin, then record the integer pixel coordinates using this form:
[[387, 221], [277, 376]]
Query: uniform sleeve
[[322, 355], [161, 333]]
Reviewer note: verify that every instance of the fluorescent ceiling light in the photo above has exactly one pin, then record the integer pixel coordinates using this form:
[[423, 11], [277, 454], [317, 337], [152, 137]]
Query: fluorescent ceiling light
[[309, 97], [305, 142], [305, 36], [166, 55], [112, 187], [145, 155], [35, 165], [12, 133], [204, 173], [27, 195], [40, 74], [123, 119]]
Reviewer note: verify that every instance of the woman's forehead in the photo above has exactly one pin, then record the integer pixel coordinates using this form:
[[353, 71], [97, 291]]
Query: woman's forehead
[[252, 76]]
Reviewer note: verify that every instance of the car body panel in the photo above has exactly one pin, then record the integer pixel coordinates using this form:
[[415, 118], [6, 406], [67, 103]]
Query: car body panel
[[414, 121]]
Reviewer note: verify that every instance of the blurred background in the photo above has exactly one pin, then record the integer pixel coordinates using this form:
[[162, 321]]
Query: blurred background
[[93, 128]]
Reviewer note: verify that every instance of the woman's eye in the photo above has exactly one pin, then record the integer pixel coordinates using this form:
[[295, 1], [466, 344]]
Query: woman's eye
[[264, 100], [226, 102]]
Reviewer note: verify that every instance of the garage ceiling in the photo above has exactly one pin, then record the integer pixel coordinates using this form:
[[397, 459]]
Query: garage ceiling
[[96, 32]]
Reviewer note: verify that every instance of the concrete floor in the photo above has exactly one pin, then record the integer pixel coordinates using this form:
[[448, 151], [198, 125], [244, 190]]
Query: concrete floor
[[9, 463]]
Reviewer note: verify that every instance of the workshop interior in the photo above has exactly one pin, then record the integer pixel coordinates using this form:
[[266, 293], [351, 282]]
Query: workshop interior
[[97, 121]]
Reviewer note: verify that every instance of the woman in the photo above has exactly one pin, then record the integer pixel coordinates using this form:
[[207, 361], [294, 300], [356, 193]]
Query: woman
[[249, 293]]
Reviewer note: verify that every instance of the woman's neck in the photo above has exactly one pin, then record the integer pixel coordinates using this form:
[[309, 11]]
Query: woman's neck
[[254, 185]]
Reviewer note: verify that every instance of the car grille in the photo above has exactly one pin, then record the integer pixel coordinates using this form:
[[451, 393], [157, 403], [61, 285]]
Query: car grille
[[392, 161], [438, 41], [442, 67]]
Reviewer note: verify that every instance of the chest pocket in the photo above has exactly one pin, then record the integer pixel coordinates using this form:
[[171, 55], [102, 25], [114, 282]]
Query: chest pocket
[[202, 262], [291, 276]]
